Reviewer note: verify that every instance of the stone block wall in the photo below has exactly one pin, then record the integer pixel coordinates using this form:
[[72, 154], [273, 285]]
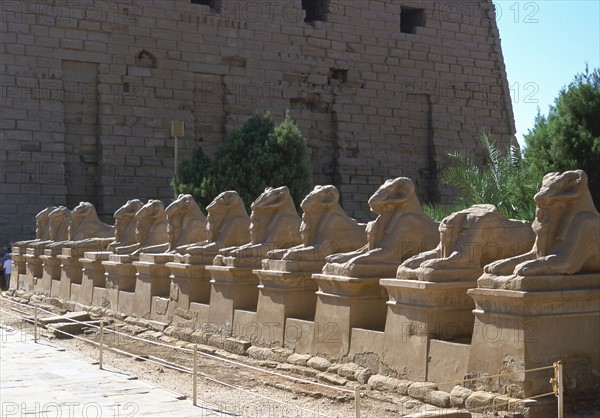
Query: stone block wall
[[380, 89]]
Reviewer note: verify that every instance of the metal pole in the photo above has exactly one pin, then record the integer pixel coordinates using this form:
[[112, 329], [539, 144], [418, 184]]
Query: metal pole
[[35, 321], [357, 402], [195, 376], [176, 158], [561, 395], [176, 155], [101, 344]]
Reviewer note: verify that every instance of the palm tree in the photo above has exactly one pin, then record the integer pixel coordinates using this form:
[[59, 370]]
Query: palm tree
[[503, 181]]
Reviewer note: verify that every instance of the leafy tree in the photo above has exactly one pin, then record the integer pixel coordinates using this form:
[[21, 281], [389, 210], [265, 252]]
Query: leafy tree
[[291, 167], [190, 178], [569, 137], [503, 181], [255, 156]]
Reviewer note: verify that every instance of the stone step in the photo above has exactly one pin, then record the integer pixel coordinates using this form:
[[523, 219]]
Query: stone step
[[81, 316]]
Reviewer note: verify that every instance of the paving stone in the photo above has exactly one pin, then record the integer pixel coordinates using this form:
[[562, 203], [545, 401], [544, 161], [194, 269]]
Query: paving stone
[[459, 395], [334, 379], [37, 375], [481, 400], [438, 398], [65, 329], [296, 369], [236, 346], [75, 316], [349, 370], [420, 390], [298, 359]]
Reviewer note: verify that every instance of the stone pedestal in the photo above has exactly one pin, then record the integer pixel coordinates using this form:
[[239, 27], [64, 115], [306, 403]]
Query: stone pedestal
[[93, 279], [120, 283], [231, 288], [14, 279], [152, 287], [71, 270], [19, 267], [34, 267], [190, 283], [285, 290], [527, 322], [344, 303], [19, 260], [51, 273], [419, 311]]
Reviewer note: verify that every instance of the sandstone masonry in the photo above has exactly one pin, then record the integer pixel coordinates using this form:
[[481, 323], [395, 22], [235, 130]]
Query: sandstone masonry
[[380, 89]]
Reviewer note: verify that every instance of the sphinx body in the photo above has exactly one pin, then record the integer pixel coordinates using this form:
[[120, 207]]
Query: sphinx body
[[186, 224], [401, 230], [59, 220], [228, 226], [42, 230], [274, 223], [85, 230], [325, 229], [469, 239], [150, 229], [125, 224], [567, 227]]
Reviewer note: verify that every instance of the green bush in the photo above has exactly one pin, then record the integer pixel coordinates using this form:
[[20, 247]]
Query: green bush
[[258, 155], [191, 175]]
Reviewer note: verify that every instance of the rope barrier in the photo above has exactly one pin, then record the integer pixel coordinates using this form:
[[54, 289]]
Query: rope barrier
[[165, 363], [497, 407], [451, 382], [187, 350], [253, 393], [294, 379]]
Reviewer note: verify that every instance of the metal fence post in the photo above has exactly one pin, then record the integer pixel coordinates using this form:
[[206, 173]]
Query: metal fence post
[[101, 344], [195, 376], [357, 402], [35, 321], [561, 395]]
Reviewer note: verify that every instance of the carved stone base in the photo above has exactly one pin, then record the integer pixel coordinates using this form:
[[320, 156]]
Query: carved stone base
[[93, 276], [189, 283], [50, 272], [34, 262], [19, 263], [15, 277], [120, 278], [232, 288], [153, 279], [19, 267], [71, 270], [438, 275], [282, 295], [25, 282], [540, 283], [418, 312], [517, 330], [344, 303]]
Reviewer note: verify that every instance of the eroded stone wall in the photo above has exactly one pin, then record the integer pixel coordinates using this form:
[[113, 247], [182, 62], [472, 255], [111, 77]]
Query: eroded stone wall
[[380, 89]]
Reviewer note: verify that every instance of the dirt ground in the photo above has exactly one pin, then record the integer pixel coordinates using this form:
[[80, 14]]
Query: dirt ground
[[230, 387], [235, 388]]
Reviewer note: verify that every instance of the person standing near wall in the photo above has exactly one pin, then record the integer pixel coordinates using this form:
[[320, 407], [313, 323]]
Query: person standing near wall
[[7, 265]]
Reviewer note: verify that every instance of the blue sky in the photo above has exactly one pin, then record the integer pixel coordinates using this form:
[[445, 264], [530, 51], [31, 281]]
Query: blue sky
[[545, 43]]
